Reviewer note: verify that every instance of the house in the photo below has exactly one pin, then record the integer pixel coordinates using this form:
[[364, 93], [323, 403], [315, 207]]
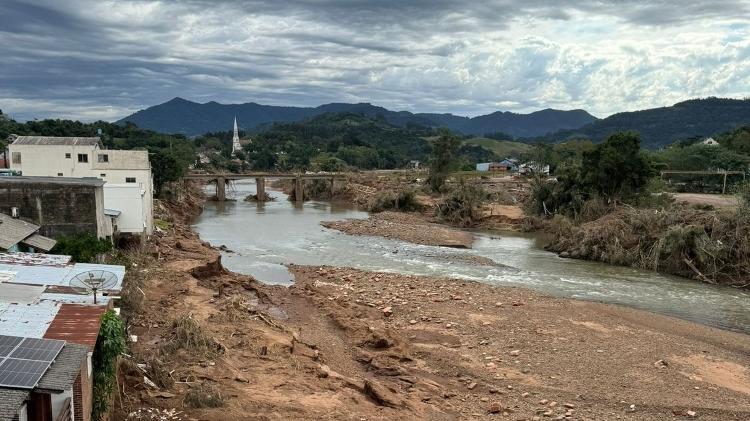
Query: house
[[41, 305], [58, 205], [85, 157], [710, 141], [19, 235], [502, 166]]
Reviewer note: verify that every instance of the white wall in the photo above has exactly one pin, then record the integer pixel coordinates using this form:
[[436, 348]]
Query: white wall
[[128, 199], [23, 414], [121, 165], [59, 399]]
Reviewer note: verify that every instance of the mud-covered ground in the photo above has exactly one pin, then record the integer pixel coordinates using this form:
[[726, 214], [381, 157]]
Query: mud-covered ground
[[344, 344]]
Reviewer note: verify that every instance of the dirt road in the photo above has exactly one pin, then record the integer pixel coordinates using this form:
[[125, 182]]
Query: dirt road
[[719, 201]]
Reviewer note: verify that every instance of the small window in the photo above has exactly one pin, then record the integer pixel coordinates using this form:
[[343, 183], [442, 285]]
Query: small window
[[82, 157], [67, 156], [16, 157], [103, 157], [102, 175], [59, 174], [130, 179]]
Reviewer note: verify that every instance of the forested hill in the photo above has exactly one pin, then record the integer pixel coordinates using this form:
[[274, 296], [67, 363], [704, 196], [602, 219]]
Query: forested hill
[[190, 118], [659, 127]]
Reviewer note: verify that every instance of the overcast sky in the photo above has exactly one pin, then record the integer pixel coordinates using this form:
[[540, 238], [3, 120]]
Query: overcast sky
[[100, 59]]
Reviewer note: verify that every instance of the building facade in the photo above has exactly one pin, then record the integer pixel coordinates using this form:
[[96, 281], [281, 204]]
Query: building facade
[[122, 170], [58, 205]]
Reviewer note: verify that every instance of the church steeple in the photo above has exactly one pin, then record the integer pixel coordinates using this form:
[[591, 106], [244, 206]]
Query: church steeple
[[236, 138]]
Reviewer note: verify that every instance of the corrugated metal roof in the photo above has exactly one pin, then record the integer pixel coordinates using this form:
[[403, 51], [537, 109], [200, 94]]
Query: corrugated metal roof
[[29, 320], [58, 275], [21, 294], [57, 141], [77, 324], [62, 373], [112, 212], [11, 400], [13, 231], [34, 259], [39, 242]]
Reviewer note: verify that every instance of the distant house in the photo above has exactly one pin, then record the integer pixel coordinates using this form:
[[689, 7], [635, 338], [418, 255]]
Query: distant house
[[710, 141], [502, 166], [415, 165], [19, 235]]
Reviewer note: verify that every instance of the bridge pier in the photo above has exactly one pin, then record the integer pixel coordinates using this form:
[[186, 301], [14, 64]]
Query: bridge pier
[[221, 193], [260, 189], [299, 192], [333, 186]]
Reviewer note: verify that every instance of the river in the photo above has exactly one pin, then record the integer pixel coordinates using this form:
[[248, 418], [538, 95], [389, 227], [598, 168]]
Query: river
[[263, 237]]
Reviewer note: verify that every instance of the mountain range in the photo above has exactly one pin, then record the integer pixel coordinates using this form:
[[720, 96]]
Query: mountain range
[[192, 119], [657, 127]]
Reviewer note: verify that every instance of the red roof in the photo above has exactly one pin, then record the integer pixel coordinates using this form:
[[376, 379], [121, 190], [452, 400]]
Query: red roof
[[76, 323]]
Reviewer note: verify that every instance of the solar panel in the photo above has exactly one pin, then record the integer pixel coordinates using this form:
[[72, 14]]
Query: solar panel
[[24, 374], [23, 361], [8, 344], [38, 349]]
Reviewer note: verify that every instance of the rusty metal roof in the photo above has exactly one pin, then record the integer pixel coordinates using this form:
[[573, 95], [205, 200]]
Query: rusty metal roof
[[34, 259], [57, 141], [76, 323]]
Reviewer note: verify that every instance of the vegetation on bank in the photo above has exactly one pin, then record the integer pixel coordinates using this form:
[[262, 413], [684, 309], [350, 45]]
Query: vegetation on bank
[[607, 204], [82, 247]]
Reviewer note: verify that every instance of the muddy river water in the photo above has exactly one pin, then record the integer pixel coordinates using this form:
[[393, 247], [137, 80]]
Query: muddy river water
[[263, 237]]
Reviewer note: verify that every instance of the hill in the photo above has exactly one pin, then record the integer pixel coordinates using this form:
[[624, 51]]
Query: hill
[[501, 148], [659, 127], [190, 118]]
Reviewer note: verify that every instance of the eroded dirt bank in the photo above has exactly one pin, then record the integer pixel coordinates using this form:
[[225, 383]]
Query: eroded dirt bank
[[345, 344]]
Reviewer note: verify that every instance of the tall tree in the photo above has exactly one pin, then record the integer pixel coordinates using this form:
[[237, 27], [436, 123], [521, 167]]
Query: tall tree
[[443, 159], [616, 168]]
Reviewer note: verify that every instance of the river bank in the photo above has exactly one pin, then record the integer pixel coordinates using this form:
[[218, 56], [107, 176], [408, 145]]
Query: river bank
[[349, 344]]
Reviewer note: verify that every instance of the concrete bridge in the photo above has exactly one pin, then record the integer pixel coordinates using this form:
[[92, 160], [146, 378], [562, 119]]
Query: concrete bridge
[[260, 180]]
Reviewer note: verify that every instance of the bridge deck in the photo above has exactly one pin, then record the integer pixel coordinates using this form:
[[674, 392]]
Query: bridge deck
[[231, 176]]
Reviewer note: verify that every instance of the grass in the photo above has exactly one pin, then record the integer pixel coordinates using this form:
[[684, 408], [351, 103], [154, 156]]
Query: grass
[[204, 396], [502, 148], [162, 224], [187, 334]]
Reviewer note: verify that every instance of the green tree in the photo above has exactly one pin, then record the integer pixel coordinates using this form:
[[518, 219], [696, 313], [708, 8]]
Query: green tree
[[166, 168], [616, 168], [443, 159]]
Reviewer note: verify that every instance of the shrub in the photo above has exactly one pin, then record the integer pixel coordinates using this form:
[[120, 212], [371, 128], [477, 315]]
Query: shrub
[[204, 396], [187, 334], [83, 247], [109, 345], [463, 204], [404, 200]]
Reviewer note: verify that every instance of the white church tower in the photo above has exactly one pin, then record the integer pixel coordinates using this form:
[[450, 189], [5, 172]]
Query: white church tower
[[236, 138]]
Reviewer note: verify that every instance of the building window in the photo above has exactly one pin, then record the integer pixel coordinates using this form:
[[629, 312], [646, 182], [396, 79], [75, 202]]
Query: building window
[[130, 179], [59, 174], [103, 157], [102, 175], [16, 157], [82, 157], [67, 156]]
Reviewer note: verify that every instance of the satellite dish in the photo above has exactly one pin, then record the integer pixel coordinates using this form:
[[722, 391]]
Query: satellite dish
[[93, 281]]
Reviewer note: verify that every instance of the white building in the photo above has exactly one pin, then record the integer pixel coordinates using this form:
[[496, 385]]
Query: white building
[[710, 141], [127, 173], [235, 139]]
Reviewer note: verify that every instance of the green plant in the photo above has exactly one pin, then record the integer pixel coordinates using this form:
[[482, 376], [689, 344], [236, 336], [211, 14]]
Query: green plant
[[82, 247], [443, 159], [404, 200], [109, 345]]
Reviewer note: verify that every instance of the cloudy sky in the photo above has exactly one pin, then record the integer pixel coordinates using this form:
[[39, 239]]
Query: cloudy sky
[[101, 59]]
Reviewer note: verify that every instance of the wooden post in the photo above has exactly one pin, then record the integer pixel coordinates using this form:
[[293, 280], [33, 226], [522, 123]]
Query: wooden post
[[221, 194], [724, 188], [299, 192], [260, 189]]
